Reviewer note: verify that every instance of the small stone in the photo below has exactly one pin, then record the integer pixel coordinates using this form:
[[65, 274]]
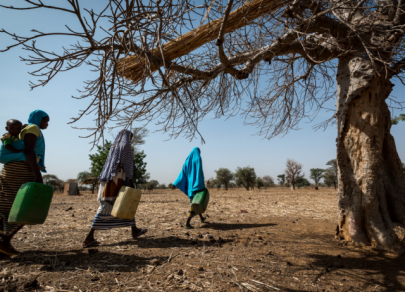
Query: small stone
[[200, 236], [209, 236], [95, 279], [68, 209], [187, 234], [170, 277], [155, 262], [200, 269], [180, 273], [339, 256], [73, 215]]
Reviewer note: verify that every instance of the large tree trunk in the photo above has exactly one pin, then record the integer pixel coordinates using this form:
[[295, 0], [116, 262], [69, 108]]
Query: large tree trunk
[[371, 182]]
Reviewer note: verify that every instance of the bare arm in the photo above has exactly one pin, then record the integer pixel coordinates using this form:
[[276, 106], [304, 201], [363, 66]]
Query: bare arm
[[30, 141]]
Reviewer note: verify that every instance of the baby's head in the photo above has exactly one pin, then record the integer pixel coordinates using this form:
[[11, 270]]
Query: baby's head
[[14, 127]]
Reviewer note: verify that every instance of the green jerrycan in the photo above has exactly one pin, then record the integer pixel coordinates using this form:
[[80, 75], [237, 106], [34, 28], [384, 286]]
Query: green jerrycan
[[200, 201], [31, 205]]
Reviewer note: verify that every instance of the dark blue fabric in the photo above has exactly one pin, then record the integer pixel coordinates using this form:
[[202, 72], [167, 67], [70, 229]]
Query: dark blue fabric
[[191, 177], [35, 118], [120, 152]]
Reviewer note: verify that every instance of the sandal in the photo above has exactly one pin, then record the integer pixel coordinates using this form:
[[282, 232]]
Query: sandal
[[141, 232], [189, 227], [90, 244]]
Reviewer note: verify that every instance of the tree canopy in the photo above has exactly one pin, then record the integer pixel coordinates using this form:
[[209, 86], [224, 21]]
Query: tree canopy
[[246, 177], [224, 176]]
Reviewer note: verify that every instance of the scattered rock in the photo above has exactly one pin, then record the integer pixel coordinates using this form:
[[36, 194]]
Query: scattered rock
[[170, 277], [68, 209], [73, 215], [180, 273], [200, 236], [212, 240], [95, 279], [339, 256], [288, 264], [209, 236], [200, 269], [243, 211], [155, 262], [187, 234]]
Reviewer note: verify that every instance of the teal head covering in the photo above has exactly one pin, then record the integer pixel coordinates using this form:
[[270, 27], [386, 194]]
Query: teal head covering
[[35, 118], [191, 177]]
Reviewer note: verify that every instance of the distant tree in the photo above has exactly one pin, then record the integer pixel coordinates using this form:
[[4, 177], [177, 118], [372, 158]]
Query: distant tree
[[71, 180], [330, 174], [268, 181], [403, 168], [333, 164], [216, 184], [232, 185], [87, 178], [224, 177], [152, 184], [259, 183], [140, 175], [162, 186], [293, 172], [303, 182], [245, 176], [53, 180], [170, 186], [316, 175], [330, 178], [99, 158], [281, 180]]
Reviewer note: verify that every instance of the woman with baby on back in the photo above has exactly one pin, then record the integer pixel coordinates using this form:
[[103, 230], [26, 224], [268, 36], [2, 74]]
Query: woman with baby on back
[[23, 154]]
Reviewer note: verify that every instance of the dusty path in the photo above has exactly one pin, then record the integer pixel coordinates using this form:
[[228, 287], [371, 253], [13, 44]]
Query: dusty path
[[284, 243]]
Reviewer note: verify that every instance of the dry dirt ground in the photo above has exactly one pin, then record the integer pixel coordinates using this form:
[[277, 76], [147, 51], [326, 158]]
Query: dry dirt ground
[[285, 242]]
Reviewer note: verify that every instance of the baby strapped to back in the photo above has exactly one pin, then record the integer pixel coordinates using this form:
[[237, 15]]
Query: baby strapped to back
[[14, 128]]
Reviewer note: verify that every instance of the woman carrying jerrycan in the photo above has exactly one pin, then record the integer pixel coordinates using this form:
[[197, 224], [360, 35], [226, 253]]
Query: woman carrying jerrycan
[[191, 182], [117, 172], [20, 168]]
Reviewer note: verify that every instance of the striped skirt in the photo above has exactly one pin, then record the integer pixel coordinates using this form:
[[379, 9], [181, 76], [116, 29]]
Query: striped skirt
[[12, 176], [104, 220]]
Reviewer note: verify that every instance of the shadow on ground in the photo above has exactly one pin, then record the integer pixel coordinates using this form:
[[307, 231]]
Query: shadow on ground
[[233, 226], [81, 259]]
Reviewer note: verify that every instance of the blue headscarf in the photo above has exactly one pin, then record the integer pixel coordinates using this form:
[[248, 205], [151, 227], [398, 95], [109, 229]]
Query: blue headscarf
[[120, 152], [191, 177], [35, 118]]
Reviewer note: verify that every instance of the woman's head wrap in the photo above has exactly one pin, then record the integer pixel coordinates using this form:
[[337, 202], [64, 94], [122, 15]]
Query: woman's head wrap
[[35, 118], [191, 177], [120, 152]]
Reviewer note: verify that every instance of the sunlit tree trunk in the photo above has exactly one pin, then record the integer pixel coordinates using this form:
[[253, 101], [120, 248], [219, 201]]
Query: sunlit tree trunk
[[371, 182]]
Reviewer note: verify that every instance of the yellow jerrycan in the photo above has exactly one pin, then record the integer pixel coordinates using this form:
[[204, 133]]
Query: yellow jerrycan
[[126, 204]]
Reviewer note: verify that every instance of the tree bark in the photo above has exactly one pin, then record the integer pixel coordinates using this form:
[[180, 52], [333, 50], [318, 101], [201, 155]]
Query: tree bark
[[371, 183], [292, 187]]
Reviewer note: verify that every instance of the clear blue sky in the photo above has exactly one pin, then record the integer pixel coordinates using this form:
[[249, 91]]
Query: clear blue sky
[[228, 143]]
